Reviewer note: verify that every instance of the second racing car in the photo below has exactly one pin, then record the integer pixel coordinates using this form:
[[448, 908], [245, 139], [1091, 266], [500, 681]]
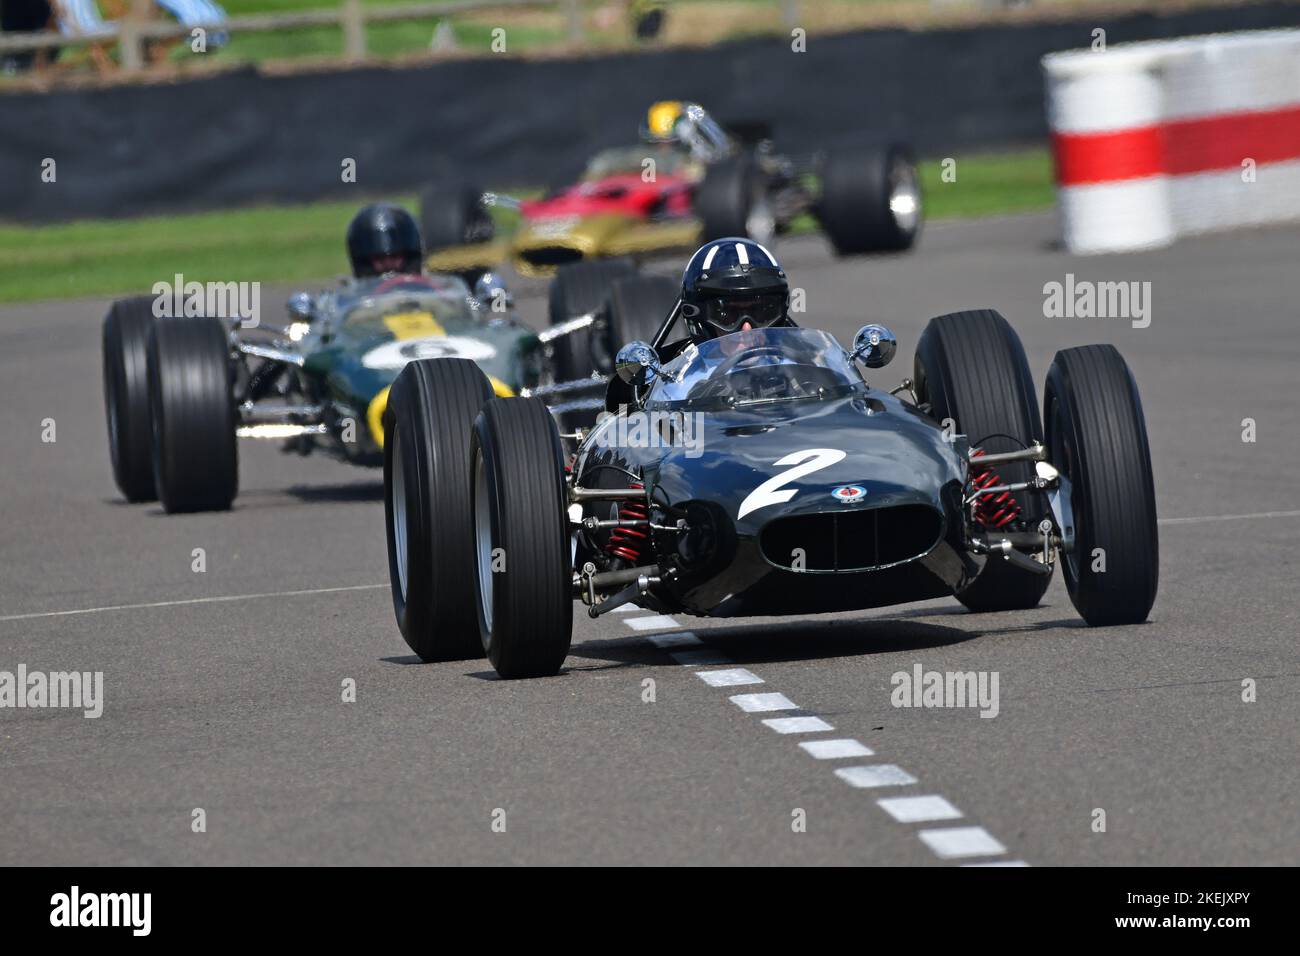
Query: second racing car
[[180, 391]]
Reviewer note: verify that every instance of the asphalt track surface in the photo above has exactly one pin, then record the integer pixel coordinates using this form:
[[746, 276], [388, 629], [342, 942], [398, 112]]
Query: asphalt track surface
[[225, 692]]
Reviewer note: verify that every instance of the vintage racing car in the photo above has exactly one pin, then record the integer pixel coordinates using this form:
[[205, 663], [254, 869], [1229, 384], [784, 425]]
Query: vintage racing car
[[179, 392], [691, 181], [759, 473]]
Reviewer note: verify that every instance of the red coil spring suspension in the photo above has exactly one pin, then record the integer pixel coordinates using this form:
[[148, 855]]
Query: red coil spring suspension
[[629, 543], [996, 510]]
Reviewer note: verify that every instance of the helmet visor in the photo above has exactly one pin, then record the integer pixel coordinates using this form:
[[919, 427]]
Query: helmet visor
[[732, 313]]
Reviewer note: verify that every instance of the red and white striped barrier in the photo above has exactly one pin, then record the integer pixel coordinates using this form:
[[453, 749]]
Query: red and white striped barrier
[[1157, 140]]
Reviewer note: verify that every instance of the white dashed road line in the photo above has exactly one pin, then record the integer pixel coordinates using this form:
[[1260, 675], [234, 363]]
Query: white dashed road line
[[957, 842], [876, 775], [998, 863], [699, 657], [948, 843], [653, 622], [836, 749], [798, 725], [680, 639], [761, 703], [919, 809], [735, 677]]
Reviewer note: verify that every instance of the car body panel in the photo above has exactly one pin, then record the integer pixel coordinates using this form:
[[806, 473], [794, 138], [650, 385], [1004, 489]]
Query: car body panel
[[363, 340], [795, 462]]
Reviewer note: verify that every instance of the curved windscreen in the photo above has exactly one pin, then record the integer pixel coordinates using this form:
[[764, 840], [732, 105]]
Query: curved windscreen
[[442, 298], [631, 159], [760, 366]]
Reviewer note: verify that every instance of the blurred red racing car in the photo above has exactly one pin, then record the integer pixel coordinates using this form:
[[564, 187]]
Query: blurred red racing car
[[690, 180]]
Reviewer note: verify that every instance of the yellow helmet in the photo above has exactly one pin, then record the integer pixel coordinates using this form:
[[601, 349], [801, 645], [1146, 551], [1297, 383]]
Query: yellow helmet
[[661, 121]]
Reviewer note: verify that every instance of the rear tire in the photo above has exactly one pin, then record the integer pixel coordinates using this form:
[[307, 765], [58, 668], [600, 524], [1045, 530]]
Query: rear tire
[[971, 368], [577, 289], [732, 201], [871, 200], [195, 453], [522, 566], [1097, 437], [638, 305], [452, 214], [126, 395], [431, 409]]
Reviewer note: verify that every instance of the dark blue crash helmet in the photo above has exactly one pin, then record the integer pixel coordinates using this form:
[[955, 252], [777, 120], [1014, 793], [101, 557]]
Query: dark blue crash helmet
[[733, 284], [383, 239]]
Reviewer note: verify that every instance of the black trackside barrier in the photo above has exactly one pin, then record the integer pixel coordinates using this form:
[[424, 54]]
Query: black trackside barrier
[[244, 138]]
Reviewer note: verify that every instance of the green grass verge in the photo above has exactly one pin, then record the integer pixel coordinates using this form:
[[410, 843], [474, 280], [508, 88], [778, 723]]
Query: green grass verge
[[288, 243]]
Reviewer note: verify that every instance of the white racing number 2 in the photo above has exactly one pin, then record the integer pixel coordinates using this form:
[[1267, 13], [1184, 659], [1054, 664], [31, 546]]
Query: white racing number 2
[[774, 492]]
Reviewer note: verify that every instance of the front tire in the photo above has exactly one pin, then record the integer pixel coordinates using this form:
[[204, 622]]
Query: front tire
[[431, 409], [126, 395], [522, 565], [195, 454], [1097, 437], [971, 368]]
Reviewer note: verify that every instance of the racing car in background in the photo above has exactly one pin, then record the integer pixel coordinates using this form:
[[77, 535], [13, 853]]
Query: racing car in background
[[815, 490], [180, 392], [691, 181]]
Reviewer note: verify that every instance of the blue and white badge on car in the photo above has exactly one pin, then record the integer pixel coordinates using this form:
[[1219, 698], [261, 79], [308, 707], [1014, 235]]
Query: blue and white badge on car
[[396, 354], [849, 493]]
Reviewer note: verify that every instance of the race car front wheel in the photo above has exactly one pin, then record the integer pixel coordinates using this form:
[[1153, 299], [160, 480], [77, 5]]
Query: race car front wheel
[[870, 200], [971, 370], [195, 459], [1097, 439], [522, 565], [126, 395], [431, 409]]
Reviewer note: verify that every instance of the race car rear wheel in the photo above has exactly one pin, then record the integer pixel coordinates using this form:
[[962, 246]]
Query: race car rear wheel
[[522, 560], [1097, 439], [971, 369], [870, 200], [195, 454], [580, 288], [452, 214], [732, 201], [126, 395], [638, 305], [431, 409]]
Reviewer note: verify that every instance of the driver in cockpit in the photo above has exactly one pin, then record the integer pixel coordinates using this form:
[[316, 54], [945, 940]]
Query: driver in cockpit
[[730, 286], [733, 285]]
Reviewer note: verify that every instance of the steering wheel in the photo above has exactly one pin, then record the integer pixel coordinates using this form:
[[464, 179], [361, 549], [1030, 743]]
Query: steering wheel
[[716, 386]]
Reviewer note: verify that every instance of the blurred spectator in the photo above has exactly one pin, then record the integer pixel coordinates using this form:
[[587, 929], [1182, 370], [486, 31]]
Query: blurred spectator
[[81, 18]]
